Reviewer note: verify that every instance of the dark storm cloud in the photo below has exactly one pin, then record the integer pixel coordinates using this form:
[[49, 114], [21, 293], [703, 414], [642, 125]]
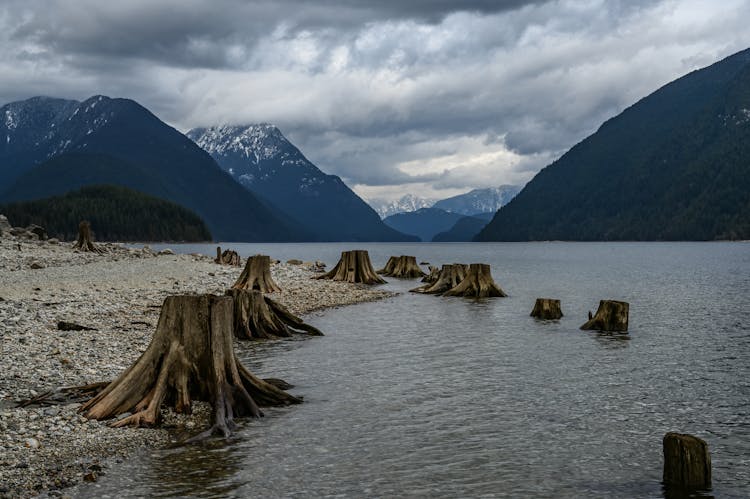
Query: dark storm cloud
[[432, 94]]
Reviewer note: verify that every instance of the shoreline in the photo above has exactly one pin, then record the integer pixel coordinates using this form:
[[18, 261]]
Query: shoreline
[[119, 294]]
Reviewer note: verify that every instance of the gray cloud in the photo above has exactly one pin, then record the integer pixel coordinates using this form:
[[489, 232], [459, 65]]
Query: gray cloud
[[445, 94]]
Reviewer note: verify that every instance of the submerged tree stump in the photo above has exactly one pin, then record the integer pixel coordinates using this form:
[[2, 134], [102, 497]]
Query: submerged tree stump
[[227, 257], [259, 317], [85, 240], [450, 276], [478, 283], [257, 275], [547, 309], [354, 266], [687, 462], [402, 266], [432, 276], [610, 316], [190, 357]]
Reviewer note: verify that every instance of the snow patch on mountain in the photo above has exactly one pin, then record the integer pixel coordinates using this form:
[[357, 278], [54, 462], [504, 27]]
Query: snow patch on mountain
[[406, 204], [477, 201]]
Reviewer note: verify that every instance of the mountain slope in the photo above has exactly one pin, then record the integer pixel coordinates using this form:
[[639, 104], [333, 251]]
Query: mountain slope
[[261, 159], [424, 223], [116, 214], [405, 204], [478, 201], [139, 150], [674, 166], [465, 228]]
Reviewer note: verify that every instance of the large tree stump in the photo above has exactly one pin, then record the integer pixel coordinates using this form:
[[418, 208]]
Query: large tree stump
[[547, 309], [227, 257], [190, 357], [449, 277], [687, 462], [478, 283], [402, 266], [259, 317], [354, 266], [610, 316], [85, 240], [257, 275]]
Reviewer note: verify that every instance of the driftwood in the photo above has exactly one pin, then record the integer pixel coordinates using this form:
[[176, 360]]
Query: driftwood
[[227, 257], [72, 326], [73, 394], [547, 309], [450, 276], [687, 462], [259, 317], [478, 283], [402, 266], [257, 275], [433, 275], [190, 357], [85, 240], [354, 266], [610, 316]]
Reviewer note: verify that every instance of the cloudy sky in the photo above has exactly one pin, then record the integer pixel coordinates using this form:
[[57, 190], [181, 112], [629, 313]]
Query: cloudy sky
[[431, 97]]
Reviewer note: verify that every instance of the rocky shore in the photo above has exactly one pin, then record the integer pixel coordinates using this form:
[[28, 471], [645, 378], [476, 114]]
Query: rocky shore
[[118, 295]]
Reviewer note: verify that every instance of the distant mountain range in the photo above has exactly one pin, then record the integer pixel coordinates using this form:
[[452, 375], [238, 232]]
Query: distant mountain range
[[261, 159], [674, 166], [476, 201], [465, 228], [424, 223], [52, 146]]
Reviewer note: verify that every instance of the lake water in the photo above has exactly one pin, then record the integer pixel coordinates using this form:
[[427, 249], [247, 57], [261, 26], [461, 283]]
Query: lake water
[[449, 397]]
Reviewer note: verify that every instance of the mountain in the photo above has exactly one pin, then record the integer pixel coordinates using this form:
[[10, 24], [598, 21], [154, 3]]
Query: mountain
[[465, 228], [261, 159], [674, 166], [116, 214], [51, 146], [424, 223], [405, 204], [477, 201]]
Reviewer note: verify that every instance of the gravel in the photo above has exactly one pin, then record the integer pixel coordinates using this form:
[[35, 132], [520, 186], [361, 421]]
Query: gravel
[[118, 294]]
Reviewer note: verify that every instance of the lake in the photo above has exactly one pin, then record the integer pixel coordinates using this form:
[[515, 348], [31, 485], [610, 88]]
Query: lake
[[449, 397]]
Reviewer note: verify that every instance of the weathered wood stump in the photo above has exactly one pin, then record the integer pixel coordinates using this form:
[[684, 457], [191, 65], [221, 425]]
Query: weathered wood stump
[[257, 275], [432, 276], [227, 257], [85, 240], [259, 317], [190, 357], [687, 462], [547, 309], [449, 277], [610, 316], [478, 283], [354, 266], [402, 266]]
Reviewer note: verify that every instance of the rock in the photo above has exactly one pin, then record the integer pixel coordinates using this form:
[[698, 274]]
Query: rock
[[38, 230], [294, 261], [36, 265], [4, 224], [90, 477], [53, 240], [166, 251], [32, 443]]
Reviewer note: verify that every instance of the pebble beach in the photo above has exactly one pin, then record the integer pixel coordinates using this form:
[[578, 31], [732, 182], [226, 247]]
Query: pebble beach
[[44, 449]]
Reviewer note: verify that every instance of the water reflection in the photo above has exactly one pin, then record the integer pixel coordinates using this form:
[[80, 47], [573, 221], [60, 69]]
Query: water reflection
[[612, 340]]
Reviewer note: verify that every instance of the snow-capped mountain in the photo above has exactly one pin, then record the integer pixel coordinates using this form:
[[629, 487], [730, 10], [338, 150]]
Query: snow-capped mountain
[[406, 204], [477, 201], [261, 159], [51, 146]]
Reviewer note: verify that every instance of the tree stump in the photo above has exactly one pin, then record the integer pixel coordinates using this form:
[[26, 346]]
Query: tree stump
[[547, 309], [354, 266], [402, 266], [450, 276], [478, 283], [85, 240], [259, 317], [190, 357], [433, 276], [257, 275], [687, 462], [228, 257], [610, 316]]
